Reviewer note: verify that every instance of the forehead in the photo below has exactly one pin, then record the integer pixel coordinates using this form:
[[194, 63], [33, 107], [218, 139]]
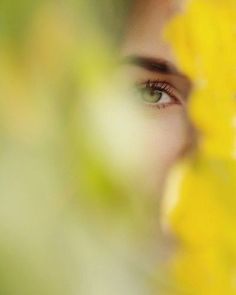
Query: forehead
[[166, 7], [144, 32]]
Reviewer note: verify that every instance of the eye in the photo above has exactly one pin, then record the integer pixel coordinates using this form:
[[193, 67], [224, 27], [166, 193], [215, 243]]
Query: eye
[[158, 94], [155, 96]]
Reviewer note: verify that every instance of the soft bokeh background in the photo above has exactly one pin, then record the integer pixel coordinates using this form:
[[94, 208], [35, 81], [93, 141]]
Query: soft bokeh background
[[71, 220]]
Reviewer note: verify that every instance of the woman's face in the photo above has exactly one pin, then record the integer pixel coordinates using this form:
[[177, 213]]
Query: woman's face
[[161, 88]]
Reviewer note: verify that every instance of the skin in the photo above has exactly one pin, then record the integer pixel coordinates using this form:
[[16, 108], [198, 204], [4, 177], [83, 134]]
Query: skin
[[168, 133]]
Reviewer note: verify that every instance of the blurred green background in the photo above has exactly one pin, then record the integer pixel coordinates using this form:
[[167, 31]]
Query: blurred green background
[[69, 222]]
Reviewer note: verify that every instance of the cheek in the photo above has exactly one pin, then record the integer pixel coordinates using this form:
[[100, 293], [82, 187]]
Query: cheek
[[167, 137], [138, 148]]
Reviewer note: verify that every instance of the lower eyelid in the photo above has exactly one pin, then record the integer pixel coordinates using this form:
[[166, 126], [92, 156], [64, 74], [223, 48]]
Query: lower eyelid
[[161, 106]]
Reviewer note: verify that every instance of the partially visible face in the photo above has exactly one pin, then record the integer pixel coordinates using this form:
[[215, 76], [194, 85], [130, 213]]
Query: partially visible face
[[162, 90]]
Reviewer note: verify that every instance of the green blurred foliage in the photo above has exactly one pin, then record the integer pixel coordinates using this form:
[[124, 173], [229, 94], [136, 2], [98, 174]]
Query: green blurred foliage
[[68, 224]]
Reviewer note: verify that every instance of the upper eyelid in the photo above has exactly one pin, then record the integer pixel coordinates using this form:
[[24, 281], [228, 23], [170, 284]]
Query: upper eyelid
[[156, 81]]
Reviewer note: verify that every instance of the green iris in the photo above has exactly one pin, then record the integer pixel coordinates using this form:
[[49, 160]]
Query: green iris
[[150, 95]]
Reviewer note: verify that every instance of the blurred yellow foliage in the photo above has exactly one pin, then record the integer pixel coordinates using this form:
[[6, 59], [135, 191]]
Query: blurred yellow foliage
[[200, 205]]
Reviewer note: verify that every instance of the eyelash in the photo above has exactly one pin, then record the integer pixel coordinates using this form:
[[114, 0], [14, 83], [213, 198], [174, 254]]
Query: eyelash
[[163, 86]]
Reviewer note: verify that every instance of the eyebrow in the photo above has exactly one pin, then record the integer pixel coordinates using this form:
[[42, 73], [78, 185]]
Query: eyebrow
[[156, 65], [159, 65]]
